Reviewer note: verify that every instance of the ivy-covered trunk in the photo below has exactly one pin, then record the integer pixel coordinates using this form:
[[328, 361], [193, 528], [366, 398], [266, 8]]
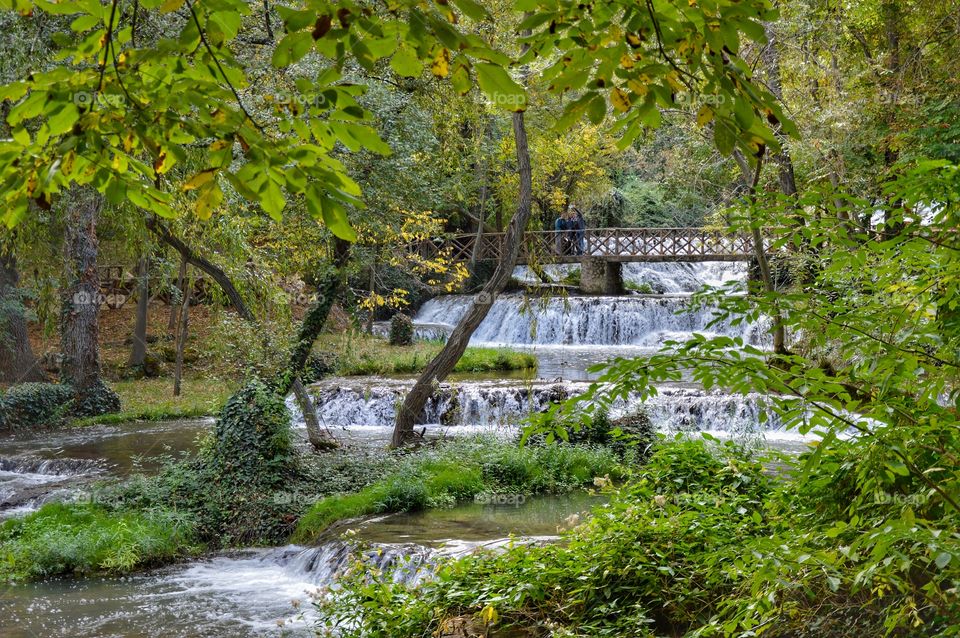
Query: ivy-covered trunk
[[17, 363], [443, 364], [80, 309]]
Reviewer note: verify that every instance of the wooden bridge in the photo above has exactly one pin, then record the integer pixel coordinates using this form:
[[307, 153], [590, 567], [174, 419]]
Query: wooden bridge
[[607, 244]]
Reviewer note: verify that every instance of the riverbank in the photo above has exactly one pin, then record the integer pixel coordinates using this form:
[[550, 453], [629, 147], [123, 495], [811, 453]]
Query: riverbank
[[183, 511]]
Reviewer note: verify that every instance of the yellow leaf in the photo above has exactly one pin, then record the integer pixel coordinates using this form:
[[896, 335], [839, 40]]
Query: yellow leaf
[[638, 87], [489, 615], [441, 63], [199, 179], [620, 100], [704, 115], [626, 61]]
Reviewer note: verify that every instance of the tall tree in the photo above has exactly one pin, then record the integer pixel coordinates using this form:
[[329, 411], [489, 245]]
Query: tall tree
[[17, 363], [443, 364], [80, 309]]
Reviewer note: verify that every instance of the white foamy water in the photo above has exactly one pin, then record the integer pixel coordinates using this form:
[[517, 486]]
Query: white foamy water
[[646, 321], [500, 406], [662, 277]]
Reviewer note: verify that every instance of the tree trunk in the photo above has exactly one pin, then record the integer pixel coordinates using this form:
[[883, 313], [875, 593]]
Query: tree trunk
[[779, 332], [320, 438], [216, 273], [139, 352], [373, 291], [329, 287], [175, 308], [771, 60], [79, 331], [444, 362], [17, 363], [182, 335]]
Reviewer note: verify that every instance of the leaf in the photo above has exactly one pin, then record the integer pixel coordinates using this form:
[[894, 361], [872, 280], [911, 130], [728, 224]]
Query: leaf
[[943, 559], [334, 216], [441, 63], [500, 87], [199, 179], [472, 9], [620, 100], [723, 138], [291, 49], [704, 115], [406, 63]]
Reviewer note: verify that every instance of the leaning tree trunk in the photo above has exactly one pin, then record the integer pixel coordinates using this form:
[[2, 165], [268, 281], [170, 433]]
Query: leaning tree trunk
[[79, 330], [444, 362], [174, 308], [17, 363], [138, 355], [190, 256], [320, 438]]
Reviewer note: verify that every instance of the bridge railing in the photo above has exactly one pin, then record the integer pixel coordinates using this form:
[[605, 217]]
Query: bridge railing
[[614, 244]]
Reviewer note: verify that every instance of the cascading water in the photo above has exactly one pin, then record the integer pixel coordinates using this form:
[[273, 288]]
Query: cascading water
[[502, 405], [608, 321], [261, 592], [661, 277]]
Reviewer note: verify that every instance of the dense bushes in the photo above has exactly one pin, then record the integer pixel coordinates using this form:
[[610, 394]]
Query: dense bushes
[[703, 543], [459, 471], [30, 405], [85, 539], [401, 330]]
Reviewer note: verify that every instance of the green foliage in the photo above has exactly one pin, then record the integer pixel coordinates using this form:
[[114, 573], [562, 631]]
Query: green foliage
[[32, 405], [361, 355], [252, 437], [67, 539], [703, 543], [95, 400], [401, 330], [459, 471]]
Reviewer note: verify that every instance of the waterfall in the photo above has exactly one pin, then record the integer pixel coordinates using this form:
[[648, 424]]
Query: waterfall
[[613, 321], [495, 404], [662, 277]]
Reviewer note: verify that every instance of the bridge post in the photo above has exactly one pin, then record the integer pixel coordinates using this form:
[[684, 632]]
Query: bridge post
[[601, 277]]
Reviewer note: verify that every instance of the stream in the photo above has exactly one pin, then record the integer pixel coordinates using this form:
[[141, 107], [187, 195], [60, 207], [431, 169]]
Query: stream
[[252, 592]]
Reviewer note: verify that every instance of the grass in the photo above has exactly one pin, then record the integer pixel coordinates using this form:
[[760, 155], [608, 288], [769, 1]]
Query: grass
[[363, 354], [82, 539], [458, 471], [153, 400]]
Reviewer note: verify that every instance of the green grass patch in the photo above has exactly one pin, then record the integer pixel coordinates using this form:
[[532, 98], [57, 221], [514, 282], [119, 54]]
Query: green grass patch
[[458, 471], [153, 400], [85, 539], [363, 354]]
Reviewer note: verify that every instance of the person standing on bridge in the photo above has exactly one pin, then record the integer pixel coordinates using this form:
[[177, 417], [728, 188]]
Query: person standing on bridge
[[579, 226], [562, 228]]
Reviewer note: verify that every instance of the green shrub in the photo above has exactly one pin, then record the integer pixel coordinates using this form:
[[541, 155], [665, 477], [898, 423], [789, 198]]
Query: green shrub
[[252, 436], [401, 330], [86, 539], [31, 405]]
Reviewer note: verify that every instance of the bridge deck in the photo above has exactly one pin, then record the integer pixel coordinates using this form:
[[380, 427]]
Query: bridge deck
[[610, 244]]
